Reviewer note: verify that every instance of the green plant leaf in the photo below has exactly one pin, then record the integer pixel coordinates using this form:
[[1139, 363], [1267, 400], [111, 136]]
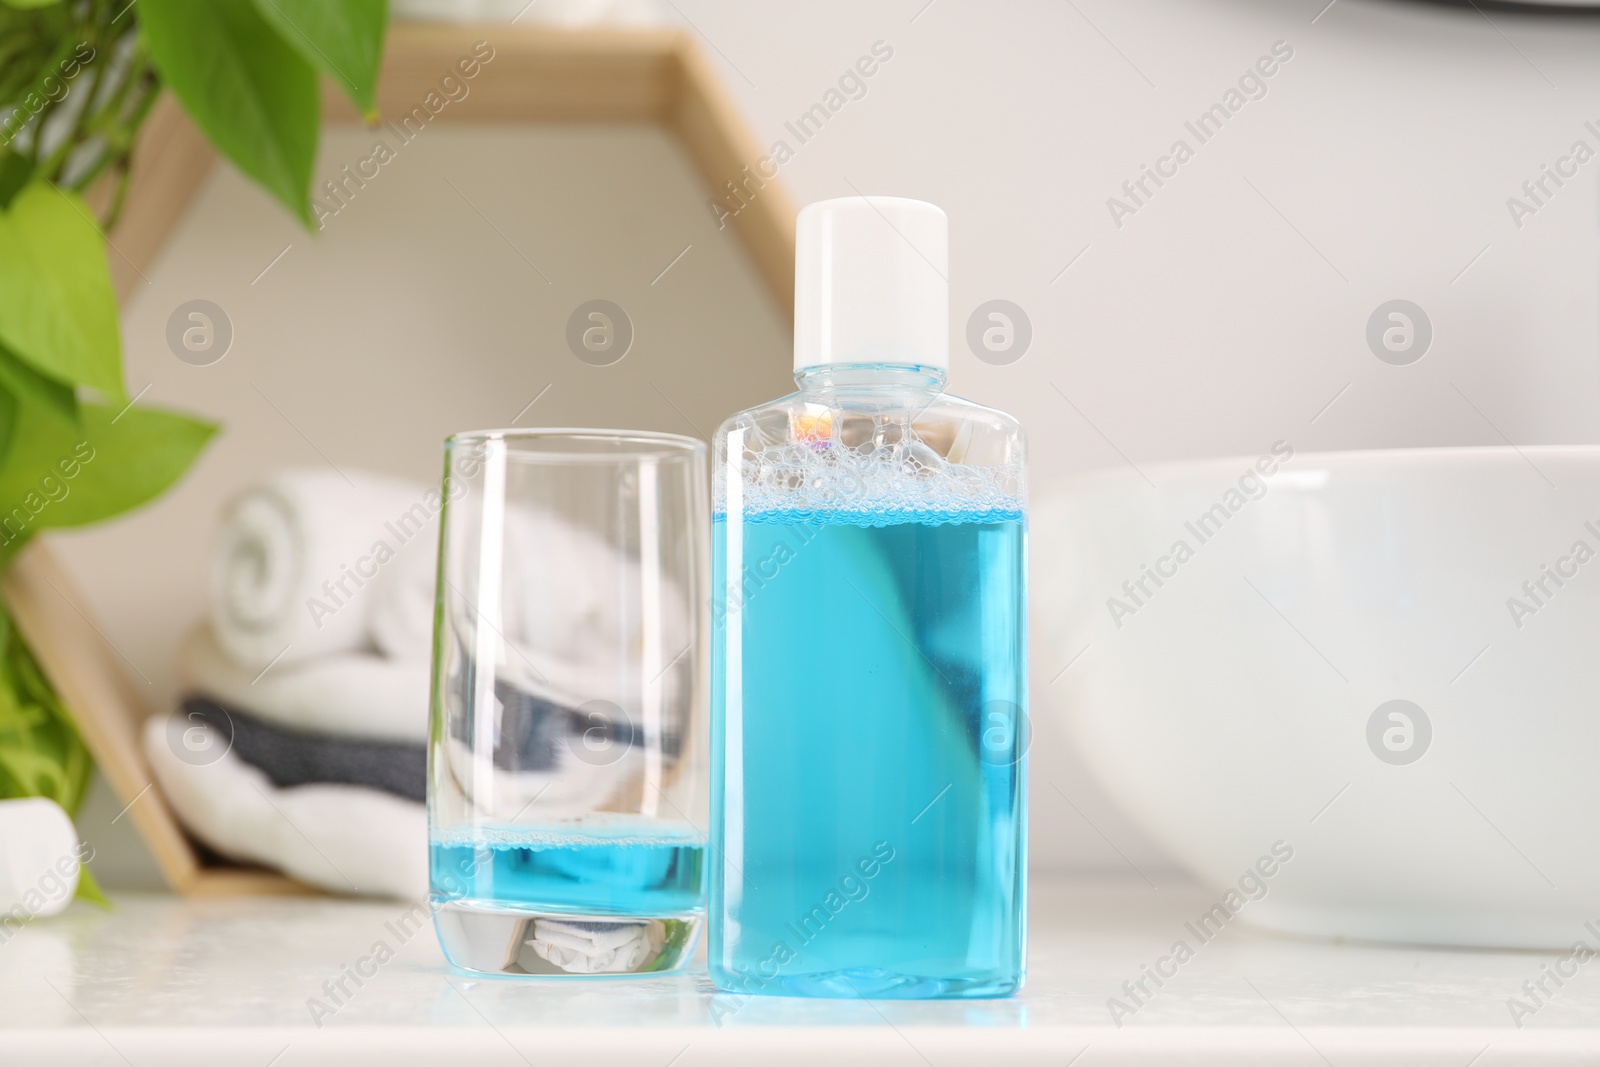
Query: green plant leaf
[[41, 751], [23, 382], [58, 311], [248, 89], [15, 170], [342, 38], [34, 772], [61, 475], [25, 5], [32, 692], [8, 421], [89, 890]]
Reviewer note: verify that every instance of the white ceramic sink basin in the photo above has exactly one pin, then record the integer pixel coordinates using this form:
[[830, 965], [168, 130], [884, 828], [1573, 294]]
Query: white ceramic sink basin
[[1243, 701]]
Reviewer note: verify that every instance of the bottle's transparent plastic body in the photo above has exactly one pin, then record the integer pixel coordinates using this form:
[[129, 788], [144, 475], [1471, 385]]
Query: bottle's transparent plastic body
[[869, 692]]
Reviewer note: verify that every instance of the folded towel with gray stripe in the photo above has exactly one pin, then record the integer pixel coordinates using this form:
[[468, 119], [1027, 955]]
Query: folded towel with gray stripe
[[301, 743], [343, 838], [295, 757]]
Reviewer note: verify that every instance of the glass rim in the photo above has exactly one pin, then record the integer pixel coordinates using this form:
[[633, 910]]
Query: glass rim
[[647, 444]]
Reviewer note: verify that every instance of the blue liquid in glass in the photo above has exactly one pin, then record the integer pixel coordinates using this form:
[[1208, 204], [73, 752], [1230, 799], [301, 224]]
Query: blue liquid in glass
[[589, 873], [869, 726]]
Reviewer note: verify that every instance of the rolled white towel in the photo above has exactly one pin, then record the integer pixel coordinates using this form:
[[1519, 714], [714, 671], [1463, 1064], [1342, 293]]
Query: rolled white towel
[[576, 615], [306, 561], [351, 694], [344, 838], [401, 619]]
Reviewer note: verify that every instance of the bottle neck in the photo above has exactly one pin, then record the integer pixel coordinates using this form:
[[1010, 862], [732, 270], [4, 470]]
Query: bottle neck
[[870, 378]]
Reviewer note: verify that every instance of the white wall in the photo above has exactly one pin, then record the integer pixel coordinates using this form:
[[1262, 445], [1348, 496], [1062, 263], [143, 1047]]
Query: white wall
[[1205, 324]]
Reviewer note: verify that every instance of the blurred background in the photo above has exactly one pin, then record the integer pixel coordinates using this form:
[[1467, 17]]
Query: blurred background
[[1227, 310]]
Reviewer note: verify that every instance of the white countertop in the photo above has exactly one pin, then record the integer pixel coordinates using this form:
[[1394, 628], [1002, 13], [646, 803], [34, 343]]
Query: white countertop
[[165, 981]]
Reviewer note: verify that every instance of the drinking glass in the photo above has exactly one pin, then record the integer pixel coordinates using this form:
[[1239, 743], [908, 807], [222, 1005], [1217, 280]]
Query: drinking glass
[[567, 788]]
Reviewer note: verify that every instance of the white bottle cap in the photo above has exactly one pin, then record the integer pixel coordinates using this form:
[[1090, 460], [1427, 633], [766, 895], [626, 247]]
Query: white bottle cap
[[38, 857], [871, 283]]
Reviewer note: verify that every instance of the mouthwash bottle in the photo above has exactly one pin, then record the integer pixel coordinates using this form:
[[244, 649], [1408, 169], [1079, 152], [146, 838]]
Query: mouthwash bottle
[[869, 644]]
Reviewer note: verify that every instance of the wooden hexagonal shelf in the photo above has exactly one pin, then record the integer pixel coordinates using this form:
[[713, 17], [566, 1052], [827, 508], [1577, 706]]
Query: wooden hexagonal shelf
[[540, 76]]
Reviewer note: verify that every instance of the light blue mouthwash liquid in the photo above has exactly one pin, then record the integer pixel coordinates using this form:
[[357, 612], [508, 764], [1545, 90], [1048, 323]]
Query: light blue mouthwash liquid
[[868, 745], [605, 869]]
